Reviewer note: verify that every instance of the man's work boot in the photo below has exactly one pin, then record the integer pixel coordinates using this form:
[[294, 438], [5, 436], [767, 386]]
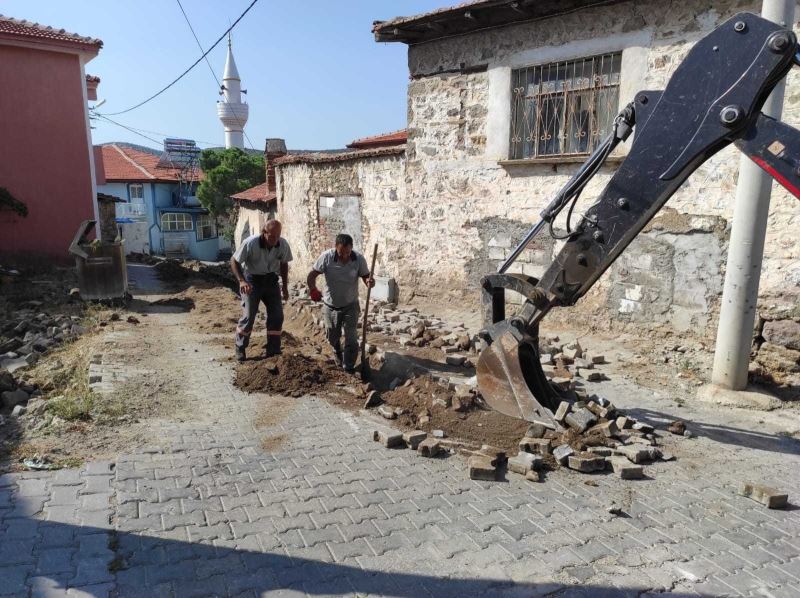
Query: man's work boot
[[273, 345], [240, 355]]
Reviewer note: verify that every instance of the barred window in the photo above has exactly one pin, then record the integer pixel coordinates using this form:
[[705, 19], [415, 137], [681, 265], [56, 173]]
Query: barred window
[[563, 108], [206, 227], [174, 221]]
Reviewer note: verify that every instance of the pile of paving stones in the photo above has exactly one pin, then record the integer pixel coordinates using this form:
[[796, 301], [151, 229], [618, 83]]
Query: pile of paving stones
[[591, 436], [565, 362], [18, 397], [29, 333]]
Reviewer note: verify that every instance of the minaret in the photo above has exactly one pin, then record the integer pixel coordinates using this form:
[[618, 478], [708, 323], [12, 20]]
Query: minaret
[[231, 111]]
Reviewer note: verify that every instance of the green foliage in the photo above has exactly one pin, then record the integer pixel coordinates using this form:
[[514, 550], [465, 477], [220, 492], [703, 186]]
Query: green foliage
[[73, 408], [227, 172], [8, 201]]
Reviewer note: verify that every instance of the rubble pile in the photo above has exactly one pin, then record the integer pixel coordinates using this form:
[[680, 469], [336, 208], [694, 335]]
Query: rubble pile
[[17, 397], [592, 436], [456, 410], [406, 325], [29, 333], [567, 363]]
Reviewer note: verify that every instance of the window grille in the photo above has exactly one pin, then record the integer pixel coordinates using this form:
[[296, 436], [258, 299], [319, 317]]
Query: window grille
[[563, 108], [206, 227], [175, 221]]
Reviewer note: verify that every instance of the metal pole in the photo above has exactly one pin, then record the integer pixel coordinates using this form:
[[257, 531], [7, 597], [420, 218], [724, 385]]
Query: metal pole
[[748, 231]]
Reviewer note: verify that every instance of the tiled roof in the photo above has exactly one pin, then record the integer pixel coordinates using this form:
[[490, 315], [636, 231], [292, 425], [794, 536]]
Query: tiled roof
[[320, 158], [475, 15], [382, 140], [22, 29], [258, 193], [123, 163]]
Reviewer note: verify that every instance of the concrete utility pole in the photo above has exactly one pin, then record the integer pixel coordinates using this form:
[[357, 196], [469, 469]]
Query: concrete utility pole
[[751, 209]]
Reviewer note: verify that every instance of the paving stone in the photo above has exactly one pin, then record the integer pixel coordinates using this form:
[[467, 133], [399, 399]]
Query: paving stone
[[769, 497]]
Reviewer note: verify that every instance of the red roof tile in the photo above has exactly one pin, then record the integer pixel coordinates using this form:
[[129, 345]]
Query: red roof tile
[[382, 140], [257, 193], [127, 164], [34, 32]]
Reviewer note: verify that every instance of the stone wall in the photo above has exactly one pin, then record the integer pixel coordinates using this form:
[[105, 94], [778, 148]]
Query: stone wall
[[467, 206], [378, 184], [250, 218]]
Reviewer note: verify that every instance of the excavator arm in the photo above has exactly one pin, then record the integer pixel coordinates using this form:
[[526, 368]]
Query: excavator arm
[[713, 99]]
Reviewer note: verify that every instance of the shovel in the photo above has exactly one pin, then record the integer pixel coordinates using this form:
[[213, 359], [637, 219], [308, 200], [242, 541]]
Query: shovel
[[365, 372]]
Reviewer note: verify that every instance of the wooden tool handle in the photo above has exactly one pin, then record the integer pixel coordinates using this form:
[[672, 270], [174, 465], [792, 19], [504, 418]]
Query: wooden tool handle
[[366, 306]]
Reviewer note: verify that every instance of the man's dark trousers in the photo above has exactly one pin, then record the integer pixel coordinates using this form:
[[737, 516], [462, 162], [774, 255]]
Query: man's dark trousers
[[266, 289]]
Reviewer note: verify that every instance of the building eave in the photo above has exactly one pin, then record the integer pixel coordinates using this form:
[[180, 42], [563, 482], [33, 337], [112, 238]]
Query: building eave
[[476, 15]]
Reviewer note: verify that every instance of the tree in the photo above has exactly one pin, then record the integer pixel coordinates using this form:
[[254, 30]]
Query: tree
[[227, 172]]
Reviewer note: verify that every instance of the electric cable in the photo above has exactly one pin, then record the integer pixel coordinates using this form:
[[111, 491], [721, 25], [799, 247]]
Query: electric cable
[[213, 74], [184, 73]]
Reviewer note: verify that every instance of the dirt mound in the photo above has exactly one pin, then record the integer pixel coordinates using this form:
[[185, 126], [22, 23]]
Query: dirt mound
[[171, 271], [292, 375], [423, 398]]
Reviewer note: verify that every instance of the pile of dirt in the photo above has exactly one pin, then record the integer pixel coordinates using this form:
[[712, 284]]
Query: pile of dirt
[[291, 375], [171, 271], [426, 405]]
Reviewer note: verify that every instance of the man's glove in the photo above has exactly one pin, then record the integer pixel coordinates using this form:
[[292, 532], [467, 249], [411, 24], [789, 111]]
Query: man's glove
[[316, 295]]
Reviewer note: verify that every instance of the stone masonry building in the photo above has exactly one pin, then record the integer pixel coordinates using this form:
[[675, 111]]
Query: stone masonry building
[[505, 100]]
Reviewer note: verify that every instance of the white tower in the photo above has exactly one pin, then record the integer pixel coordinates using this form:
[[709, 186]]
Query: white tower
[[232, 111]]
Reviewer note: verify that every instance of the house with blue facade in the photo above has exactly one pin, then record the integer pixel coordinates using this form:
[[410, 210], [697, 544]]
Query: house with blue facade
[[159, 213]]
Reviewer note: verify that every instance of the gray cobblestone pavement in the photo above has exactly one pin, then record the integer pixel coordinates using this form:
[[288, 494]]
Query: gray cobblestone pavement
[[207, 512]]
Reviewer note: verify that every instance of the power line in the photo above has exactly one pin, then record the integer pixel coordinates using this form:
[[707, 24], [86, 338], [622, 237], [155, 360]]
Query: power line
[[141, 132], [213, 74], [184, 73], [134, 131]]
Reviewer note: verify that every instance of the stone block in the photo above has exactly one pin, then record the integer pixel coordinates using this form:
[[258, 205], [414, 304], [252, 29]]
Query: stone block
[[769, 497], [586, 462], [546, 359], [783, 332], [638, 453], [456, 360], [562, 411], [580, 420], [481, 468], [412, 439], [497, 456], [387, 412], [643, 428], [438, 433], [18, 411], [10, 398], [597, 359], [522, 463], [677, 427], [385, 289], [562, 382], [429, 447], [625, 469], [603, 451], [609, 429], [535, 430], [533, 476], [388, 439], [623, 422], [572, 354], [541, 446], [562, 453]]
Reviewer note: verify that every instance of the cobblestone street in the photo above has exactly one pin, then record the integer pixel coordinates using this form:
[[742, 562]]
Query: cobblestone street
[[207, 511]]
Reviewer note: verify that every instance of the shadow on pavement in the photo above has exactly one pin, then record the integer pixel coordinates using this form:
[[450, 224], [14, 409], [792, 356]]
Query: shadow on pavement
[[126, 564], [753, 439]]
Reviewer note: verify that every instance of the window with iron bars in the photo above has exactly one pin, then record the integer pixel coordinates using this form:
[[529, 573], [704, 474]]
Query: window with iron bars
[[563, 108]]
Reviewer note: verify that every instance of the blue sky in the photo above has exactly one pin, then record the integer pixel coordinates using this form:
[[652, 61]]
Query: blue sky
[[314, 74]]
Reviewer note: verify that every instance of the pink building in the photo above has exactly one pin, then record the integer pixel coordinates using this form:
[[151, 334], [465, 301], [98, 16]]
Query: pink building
[[46, 159]]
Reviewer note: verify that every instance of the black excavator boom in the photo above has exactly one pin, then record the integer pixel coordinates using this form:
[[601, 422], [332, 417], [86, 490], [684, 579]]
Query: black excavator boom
[[713, 99]]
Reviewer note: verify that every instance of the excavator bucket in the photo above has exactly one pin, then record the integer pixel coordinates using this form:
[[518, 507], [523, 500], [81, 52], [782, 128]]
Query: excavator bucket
[[509, 372]]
